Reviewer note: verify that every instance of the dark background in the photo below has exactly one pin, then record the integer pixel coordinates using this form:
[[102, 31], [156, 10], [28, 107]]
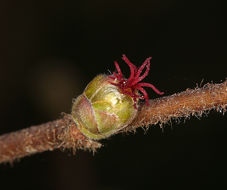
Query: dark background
[[49, 52]]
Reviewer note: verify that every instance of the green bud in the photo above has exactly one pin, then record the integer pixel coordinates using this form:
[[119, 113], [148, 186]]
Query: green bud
[[102, 109]]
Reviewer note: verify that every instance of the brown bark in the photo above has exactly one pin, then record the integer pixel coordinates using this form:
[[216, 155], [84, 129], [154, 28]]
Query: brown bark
[[192, 102], [63, 133]]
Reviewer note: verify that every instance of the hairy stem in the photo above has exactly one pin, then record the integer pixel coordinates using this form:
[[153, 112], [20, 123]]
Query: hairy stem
[[187, 103], [63, 133]]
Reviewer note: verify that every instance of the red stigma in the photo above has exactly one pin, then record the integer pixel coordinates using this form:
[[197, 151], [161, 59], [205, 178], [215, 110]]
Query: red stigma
[[132, 85]]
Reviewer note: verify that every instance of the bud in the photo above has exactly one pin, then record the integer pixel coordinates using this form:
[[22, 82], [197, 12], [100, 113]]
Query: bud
[[109, 103], [102, 109]]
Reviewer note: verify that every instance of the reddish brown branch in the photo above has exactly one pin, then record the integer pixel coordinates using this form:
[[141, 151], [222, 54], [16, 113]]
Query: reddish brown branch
[[63, 133], [188, 103]]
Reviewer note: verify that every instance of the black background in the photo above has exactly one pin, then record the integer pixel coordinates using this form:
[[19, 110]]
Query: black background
[[49, 52]]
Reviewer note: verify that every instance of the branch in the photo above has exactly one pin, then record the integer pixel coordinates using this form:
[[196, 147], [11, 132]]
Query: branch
[[59, 134], [63, 133], [192, 102]]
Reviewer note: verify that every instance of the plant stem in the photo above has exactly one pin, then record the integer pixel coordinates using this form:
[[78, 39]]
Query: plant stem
[[192, 102], [63, 133]]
